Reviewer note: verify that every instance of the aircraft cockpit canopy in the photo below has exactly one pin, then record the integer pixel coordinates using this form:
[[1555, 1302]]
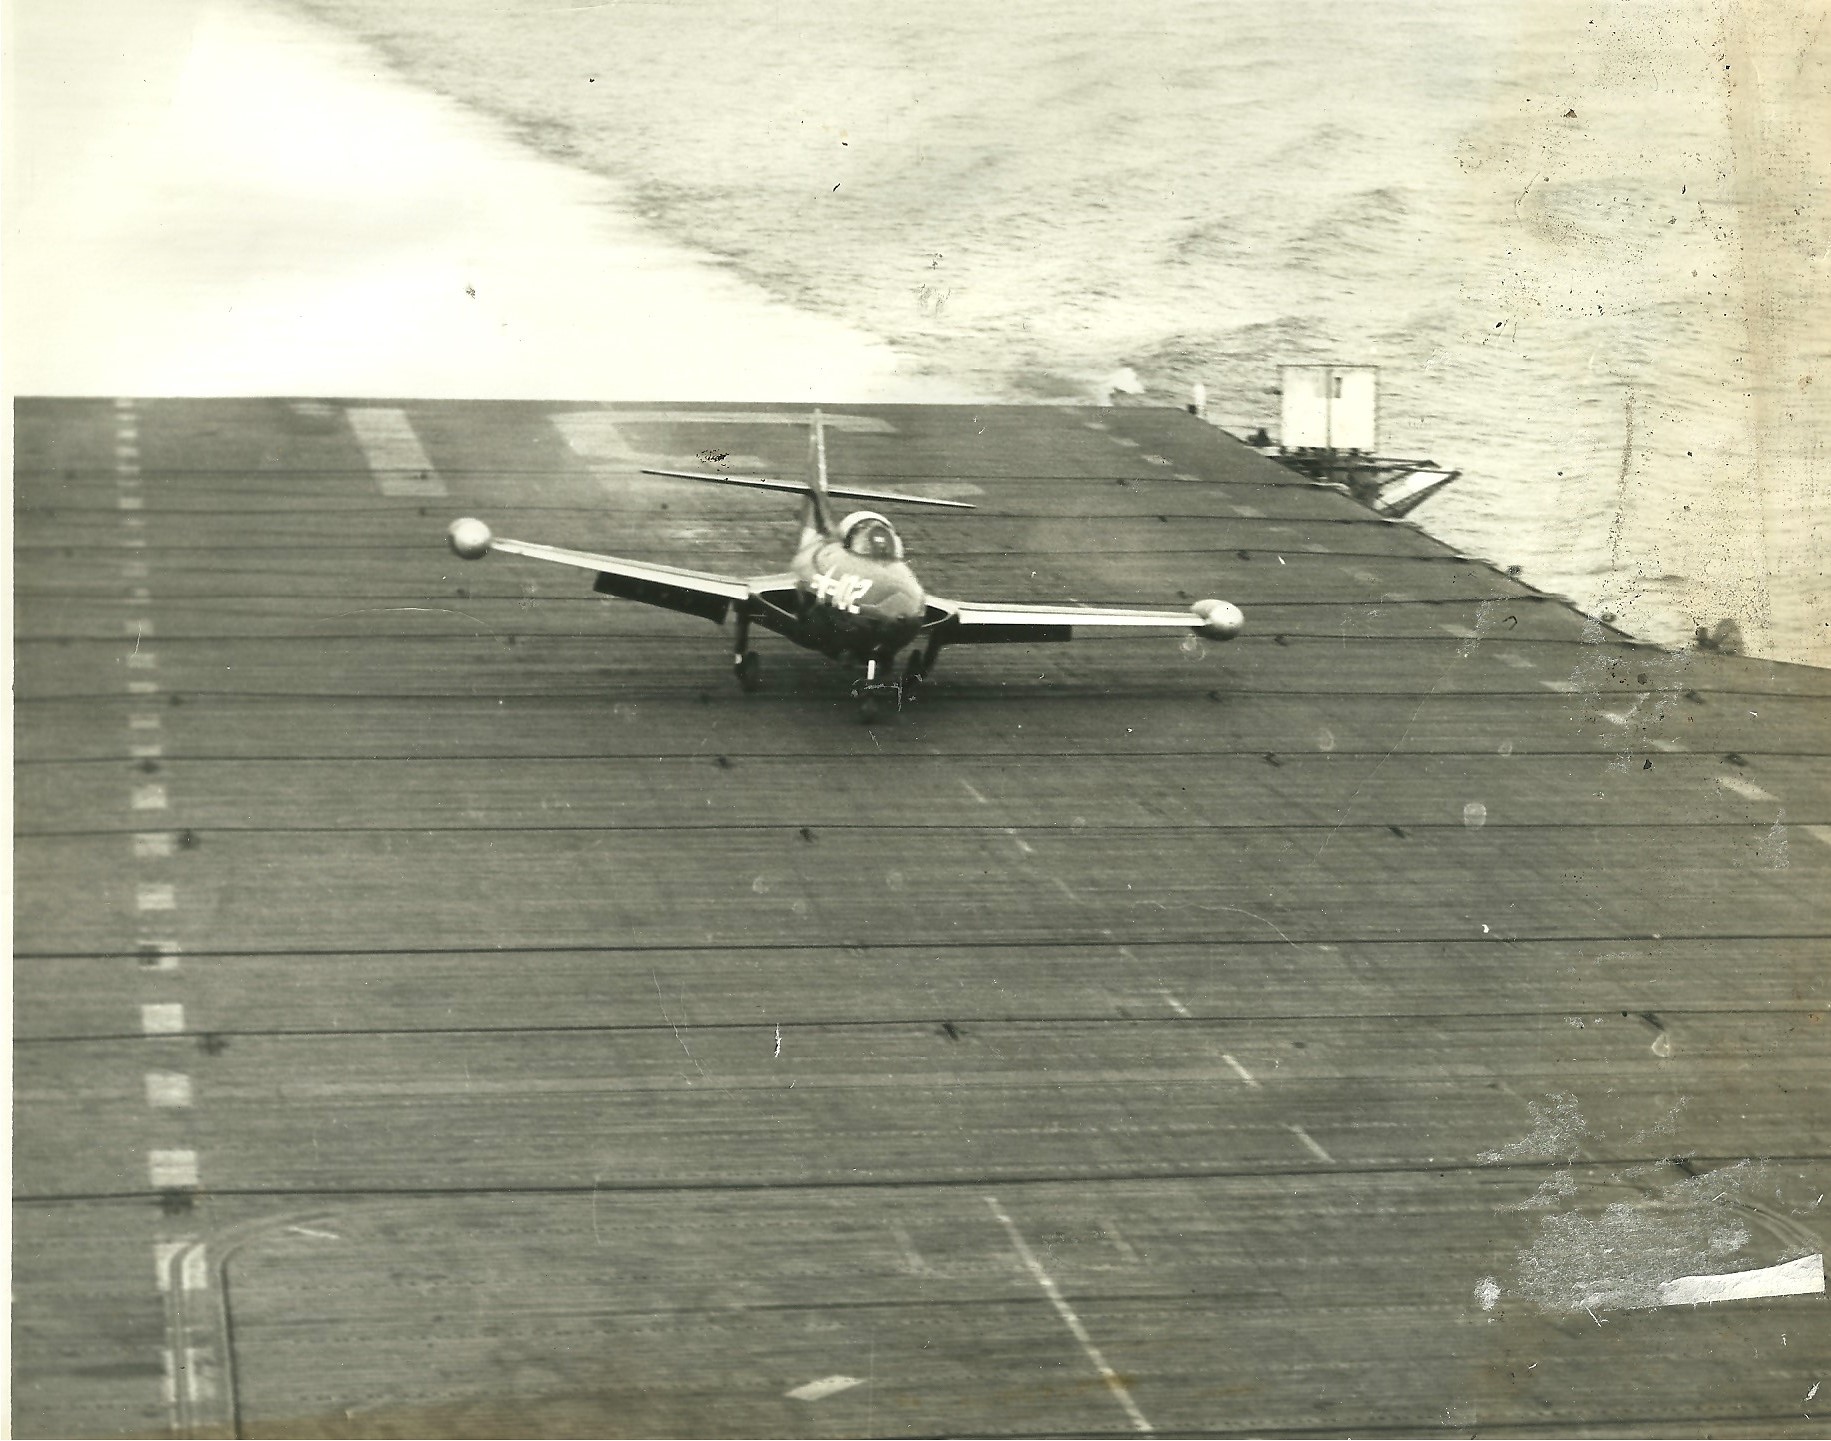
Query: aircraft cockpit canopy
[[868, 534]]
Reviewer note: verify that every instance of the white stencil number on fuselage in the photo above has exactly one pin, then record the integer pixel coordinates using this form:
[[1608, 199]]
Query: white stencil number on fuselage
[[842, 592]]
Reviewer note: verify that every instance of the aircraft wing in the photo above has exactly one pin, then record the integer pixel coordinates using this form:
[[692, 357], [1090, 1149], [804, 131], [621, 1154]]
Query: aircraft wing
[[693, 592], [797, 487], [965, 622]]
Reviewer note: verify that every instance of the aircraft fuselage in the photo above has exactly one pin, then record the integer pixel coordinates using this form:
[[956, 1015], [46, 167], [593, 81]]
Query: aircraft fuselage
[[853, 605]]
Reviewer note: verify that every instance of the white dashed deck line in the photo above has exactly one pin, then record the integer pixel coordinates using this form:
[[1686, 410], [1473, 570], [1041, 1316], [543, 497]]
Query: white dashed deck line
[[824, 1387], [1251, 512], [134, 542], [143, 687], [197, 1383], [168, 1090], [1022, 844], [194, 1269], [396, 459], [139, 595], [143, 660], [1518, 662], [1316, 1150], [124, 402], [1121, 1393], [1241, 1071], [1669, 747], [134, 522], [1821, 834], [1802, 1277], [1151, 458], [912, 1258], [155, 898], [154, 845], [133, 570], [163, 1254], [169, 1170], [1120, 1244], [1748, 790], [149, 798], [1184, 475], [162, 1018], [145, 720], [1563, 687], [136, 625], [974, 793], [146, 752], [1094, 424], [1174, 1004], [160, 955], [1461, 632], [129, 502]]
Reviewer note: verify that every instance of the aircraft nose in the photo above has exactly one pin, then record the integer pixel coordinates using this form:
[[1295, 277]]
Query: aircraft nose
[[1220, 620]]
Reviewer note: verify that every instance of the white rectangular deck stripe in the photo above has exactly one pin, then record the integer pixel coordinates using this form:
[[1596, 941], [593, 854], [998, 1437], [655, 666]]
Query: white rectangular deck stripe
[[1069, 1319], [163, 1251], [129, 502], [1518, 662], [162, 1018], [1251, 512], [1304, 1136], [824, 1387], [152, 845], [168, 1089], [155, 898], [1803, 1277], [144, 720], [167, 1169], [1174, 1004], [399, 464], [194, 1269], [139, 595], [1240, 1071], [160, 956], [974, 793], [143, 660], [1461, 632], [197, 1383], [1821, 834], [1563, 687], [146, 752], [149, 798], [1746, 789], [1670, 747]]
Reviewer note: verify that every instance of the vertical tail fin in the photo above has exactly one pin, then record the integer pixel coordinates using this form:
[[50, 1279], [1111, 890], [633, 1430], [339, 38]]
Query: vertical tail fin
[[819, 516]]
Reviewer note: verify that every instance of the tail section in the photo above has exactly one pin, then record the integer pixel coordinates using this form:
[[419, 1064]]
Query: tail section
[[817, 515]]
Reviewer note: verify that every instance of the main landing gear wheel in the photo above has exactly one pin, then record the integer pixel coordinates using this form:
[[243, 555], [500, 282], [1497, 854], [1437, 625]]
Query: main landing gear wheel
[[749, 670]]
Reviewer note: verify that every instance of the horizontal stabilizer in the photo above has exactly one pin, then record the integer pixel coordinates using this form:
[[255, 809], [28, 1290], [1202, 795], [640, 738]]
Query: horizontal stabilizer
[[800, 487]]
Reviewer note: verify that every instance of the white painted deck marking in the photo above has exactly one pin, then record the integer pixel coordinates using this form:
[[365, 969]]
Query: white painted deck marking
[[155, 898], [1069, 1319], [912, 1258], [1154, 459], [129, 502], [315, 1234], [1240, 1071], [149, 798], [144, 720], [1022, 844], [159, 955], [168, 1089], [1518, 662], [134, 542], [197, 1383], [1563, 687], [1251, 512], [1094, 424], [971, 791], [167, 1169], [1669, 747], [123, 402], [136, 625], [1173, 1003], [134, 522], [1184, 475], [1124, 440], [194, 1269], [824, 1387], [1746, 789], [1802, 1277], [133, 570], [1822, 834], [143, 660], [1062, 886], [140, 595], [1615, 718], [162, 1018], [1120, 1244], [152, 845], [146, 752], [143, 687], [396, 459], [1461, 632], [163, 1252], [1305, 1137]]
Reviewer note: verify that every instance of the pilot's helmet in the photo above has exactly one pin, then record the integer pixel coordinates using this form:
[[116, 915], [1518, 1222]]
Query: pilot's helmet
[[871, 535]]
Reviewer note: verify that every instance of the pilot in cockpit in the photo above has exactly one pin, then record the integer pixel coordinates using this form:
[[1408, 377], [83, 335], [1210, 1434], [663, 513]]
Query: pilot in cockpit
[[872, 537]]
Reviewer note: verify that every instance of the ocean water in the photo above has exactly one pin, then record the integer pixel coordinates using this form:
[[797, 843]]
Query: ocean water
[[1530, 217]]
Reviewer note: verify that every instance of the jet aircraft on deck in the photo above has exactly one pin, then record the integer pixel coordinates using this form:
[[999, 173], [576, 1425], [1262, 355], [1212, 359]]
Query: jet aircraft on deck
[[848, 592]]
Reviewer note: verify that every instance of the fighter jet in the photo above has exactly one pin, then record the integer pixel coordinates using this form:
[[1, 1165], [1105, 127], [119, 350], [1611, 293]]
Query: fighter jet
[[848, 592]]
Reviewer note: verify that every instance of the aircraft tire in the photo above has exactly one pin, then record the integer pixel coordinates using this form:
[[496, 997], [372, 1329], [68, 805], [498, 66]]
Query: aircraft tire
[[750, 671], [869, 709]]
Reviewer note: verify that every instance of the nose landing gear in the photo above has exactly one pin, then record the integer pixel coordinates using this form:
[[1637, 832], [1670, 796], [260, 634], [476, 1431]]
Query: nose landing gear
[[875, 696]]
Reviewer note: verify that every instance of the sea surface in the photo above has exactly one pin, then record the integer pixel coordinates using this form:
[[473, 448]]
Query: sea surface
[[1529, 216]]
